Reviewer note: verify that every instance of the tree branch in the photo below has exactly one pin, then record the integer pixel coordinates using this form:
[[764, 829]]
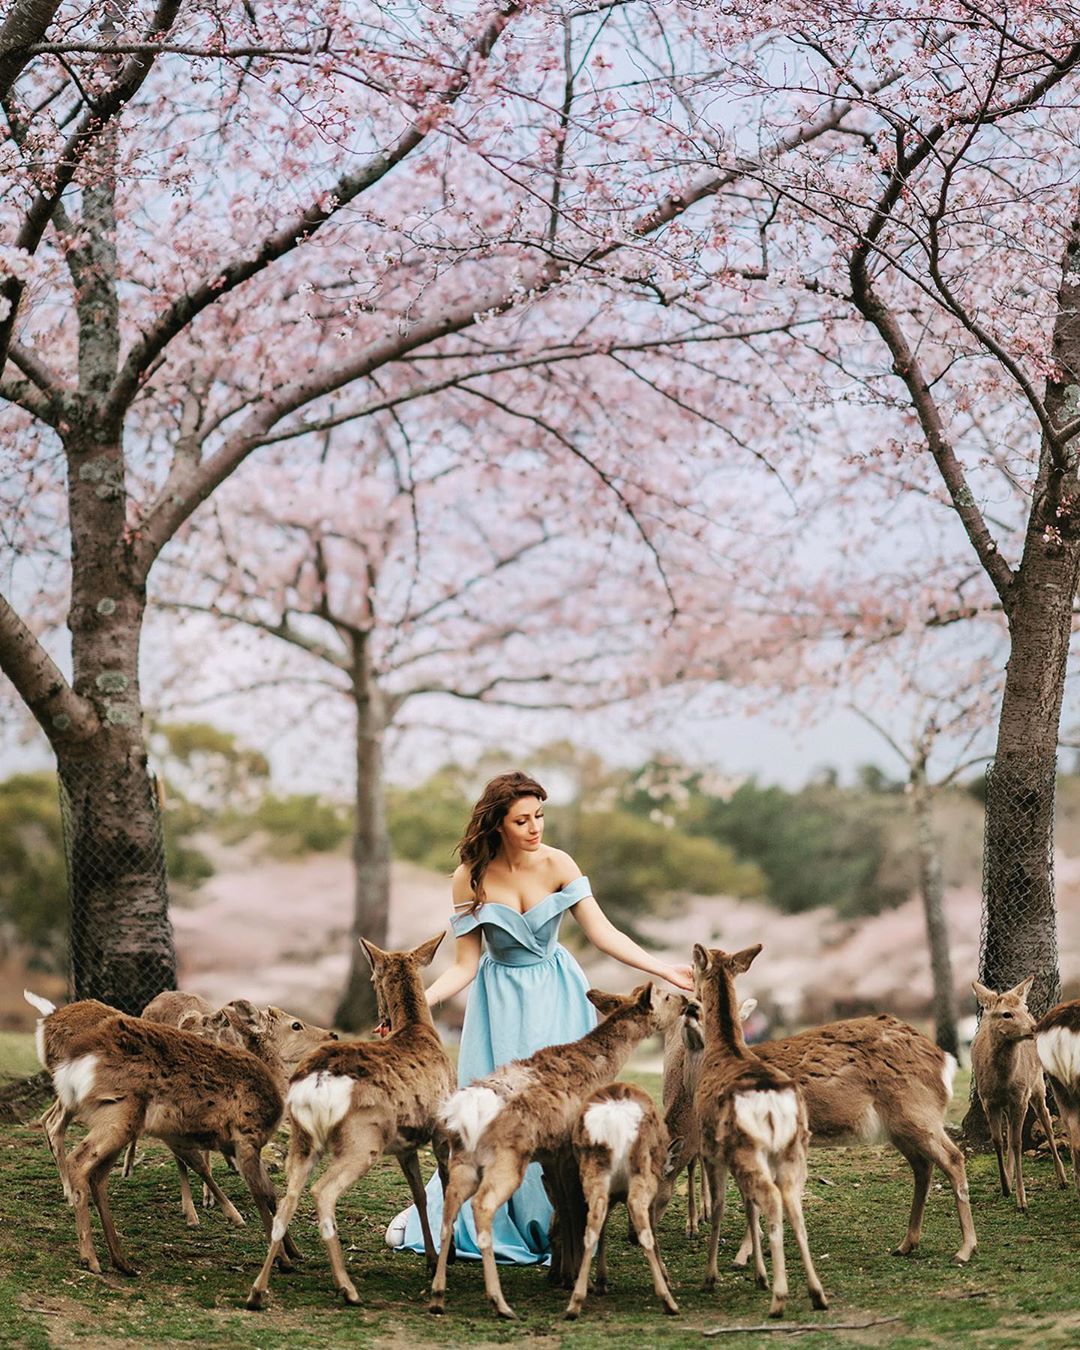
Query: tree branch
[[65, 717]]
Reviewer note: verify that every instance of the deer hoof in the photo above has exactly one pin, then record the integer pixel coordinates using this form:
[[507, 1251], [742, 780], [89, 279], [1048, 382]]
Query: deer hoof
[[125, 1268], [761, 1282], [818, 1300], [571, 1315], [257, 1300], [436, 1307], [349, 1295], [672, 1308]]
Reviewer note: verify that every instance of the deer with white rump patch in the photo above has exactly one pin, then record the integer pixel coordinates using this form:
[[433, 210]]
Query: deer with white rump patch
[[357, 1100], [621, 1146], [123, 1077], [869, 1080], [753, 1124], [1008, 1076], [1057, 1043], [524, 1111]]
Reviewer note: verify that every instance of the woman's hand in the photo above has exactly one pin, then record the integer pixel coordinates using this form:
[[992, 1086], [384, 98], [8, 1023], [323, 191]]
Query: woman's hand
[[682, 977]]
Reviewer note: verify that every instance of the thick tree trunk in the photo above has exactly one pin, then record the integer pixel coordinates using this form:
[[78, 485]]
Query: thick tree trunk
[[121, 938], [371, 843], [933, 898], [1019, 910]]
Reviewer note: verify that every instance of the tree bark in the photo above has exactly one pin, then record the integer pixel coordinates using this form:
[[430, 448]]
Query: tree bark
[[1019, 910], [933, 898], [371, 840]]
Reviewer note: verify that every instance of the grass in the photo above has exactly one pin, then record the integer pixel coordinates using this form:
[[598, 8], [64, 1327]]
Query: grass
[[1020, 1289]]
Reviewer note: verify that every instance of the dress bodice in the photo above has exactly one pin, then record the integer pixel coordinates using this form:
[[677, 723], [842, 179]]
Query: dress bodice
[[514, 938]]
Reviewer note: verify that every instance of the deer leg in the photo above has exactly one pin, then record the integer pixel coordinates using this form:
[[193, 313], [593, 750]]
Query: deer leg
[[98, 1179], [717, 1182], [997, 1134], [691, 1198], [298, 1167], [596, 1191], [199, 1162], [249, 1164], [791, 1189], [187, 1206], [1042, 1111], [942, 1151], [706, 1195], [410, 1165], [771, 1206], [746, 1247], [501, 1180], [463, 1183], [54, 1123], [601, 1261], [357, 1151], [753, 1225], [1016, 1149], [129, 1159], [638, 1203]]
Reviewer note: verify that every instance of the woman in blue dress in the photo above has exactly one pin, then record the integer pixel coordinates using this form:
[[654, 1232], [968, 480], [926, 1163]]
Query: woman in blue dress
[[509, 894]]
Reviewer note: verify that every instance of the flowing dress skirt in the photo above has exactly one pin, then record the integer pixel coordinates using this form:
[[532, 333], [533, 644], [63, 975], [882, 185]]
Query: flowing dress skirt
[[512, 1012]]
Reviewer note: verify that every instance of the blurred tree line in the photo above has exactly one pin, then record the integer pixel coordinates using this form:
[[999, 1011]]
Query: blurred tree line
[[643, 835]]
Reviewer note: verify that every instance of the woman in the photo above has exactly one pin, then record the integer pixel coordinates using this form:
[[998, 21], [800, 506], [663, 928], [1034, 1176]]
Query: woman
[[509, 895]]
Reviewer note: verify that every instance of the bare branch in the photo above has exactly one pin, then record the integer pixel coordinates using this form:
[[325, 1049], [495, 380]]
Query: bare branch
[[65, 718]]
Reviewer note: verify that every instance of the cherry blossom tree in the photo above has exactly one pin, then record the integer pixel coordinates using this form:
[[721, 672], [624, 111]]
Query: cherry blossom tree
[[399, 576]]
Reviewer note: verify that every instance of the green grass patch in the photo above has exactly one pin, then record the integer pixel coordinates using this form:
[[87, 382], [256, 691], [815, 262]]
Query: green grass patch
[[1020, 1288]]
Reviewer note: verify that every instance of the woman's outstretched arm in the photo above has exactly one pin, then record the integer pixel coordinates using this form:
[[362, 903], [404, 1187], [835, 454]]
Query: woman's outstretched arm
[[605, 937], [460, 974]]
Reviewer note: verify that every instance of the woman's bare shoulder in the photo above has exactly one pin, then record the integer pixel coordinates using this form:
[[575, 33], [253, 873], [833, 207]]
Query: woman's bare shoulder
[[563, 866], [461, 892]]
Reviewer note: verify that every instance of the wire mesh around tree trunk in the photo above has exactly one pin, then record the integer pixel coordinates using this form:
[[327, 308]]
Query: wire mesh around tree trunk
[[1019, 913], [120, 939]]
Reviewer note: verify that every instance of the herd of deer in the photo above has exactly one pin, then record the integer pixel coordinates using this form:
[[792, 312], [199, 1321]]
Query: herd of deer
[[202, 1079]]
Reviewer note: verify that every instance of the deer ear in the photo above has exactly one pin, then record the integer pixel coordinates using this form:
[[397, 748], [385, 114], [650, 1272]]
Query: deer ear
[[603, 1003], [1023, 989], [374, 954], [692, 1034], [646, 996], [701, 958], [984, 995], [244, 1014], [190, 1020], [425, 953], [674, 1153], [742, 961], [746, 1008]]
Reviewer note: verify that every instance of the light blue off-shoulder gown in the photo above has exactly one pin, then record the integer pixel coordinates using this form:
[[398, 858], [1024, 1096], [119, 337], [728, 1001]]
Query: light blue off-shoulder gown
[[529, 992]]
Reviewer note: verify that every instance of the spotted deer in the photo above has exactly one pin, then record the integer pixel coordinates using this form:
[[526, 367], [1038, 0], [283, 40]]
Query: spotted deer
[[123, 1077], [357, 1100], [753, 1123], [525, 1110], [621, 1147], [1008, 1077], [279, 1039], [1057, 1043]]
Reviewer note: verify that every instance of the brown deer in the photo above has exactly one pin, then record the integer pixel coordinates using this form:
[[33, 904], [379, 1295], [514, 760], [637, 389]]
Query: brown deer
[[55, 1031], [360, 1099], [123, 1077], [753, 1123], [1008, 1076], [522, 1111], [277, 1038], [621, 1146], [681, 1062], [871, 1080], [1057, 1043]]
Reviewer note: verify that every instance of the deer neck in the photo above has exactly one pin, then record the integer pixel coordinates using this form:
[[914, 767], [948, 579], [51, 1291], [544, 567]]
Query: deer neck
[[406, 1004], [722, 1024], [609, 1044]]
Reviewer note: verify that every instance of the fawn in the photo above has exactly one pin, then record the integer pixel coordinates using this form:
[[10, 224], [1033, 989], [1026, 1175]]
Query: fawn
[[1057, 1043], [526, 1110], [753, 1122], [360, 1099], [1008, 1075]]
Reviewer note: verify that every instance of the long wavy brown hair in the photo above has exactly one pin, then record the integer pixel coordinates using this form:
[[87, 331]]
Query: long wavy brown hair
[[481, 841]]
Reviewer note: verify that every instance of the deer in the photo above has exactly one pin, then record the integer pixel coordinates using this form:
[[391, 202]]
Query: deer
[[872, 1080], [621, 1146], [124, 1077], [526, 1110], [55, 1031], [357, 1100], [753, 1123], [277, 1038], [1008, 1076], [1057, 1043]]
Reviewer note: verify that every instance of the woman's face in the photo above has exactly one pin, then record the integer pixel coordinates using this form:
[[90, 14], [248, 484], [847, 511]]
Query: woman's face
[[523, 824]]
